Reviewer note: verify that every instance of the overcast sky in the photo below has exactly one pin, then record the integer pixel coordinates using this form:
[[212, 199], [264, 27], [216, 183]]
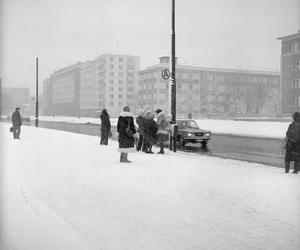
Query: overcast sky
[[212, 33]]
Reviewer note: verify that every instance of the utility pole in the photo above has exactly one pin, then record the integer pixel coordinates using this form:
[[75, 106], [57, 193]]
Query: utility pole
[[174, 127], [1, 99], [37, 94], [173, 70]]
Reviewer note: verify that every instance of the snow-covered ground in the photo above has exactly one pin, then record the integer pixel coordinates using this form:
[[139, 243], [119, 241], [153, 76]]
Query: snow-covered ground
[[63, 191], [275, 130]]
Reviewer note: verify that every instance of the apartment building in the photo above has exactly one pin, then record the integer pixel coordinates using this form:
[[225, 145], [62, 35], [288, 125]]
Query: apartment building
[[210, 91], [290, 73], [110, 81], [61, 91]]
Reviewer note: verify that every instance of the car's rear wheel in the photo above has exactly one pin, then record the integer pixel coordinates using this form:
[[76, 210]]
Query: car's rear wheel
[[204, 143]]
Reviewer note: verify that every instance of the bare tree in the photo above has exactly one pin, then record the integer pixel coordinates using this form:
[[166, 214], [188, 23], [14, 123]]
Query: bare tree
[[256, 97]]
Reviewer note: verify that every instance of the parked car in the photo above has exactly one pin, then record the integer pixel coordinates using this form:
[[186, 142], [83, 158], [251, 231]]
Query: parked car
[[189, 134]]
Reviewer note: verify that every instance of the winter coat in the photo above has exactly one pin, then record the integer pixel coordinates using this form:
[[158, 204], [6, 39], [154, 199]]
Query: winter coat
[[293, 132], [150, 131], [124, 119], [16, 118], [162, 124], [293, 142], [105, 122], [140, 120]]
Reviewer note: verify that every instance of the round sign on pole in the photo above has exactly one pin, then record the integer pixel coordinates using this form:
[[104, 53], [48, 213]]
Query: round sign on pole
[[165, 74]]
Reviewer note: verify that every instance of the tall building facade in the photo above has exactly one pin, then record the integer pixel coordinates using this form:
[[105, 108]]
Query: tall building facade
[[111, 82], [290, 73], [211, 92]]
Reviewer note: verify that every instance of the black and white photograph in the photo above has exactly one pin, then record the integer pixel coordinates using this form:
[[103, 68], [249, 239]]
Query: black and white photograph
[[149, 125]]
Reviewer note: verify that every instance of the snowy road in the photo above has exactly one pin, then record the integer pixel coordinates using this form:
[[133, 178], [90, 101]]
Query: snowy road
[[172, 201]]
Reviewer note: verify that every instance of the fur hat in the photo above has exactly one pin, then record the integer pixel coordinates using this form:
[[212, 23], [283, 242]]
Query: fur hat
[[158, 111], [126, 108], [140, 112]]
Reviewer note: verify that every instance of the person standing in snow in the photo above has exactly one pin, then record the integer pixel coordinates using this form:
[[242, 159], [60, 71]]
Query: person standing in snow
[[140, 120], [293, 144], [105, 127], [150, 132], [16, 123], [126, 130], [163, 128]]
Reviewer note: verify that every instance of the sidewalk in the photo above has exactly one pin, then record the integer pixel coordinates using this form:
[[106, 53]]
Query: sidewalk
[[71, 193]]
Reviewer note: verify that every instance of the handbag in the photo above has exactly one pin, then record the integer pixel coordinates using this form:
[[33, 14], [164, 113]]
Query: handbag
[[128, 130], [11, 129]]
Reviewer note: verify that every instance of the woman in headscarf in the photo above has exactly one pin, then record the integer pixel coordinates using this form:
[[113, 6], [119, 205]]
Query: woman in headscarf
[[140, 120], [163, 127], [150, 131], [126, 130], [105, 127], [293, 144]]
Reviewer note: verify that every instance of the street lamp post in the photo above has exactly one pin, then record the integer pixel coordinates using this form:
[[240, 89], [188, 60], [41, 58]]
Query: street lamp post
[[173, 70], [174, 128], [37, 94]]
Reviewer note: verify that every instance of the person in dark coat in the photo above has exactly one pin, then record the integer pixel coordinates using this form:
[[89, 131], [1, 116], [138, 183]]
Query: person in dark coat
[[150, 132], [140, 120], [105, 127], [126, 140], [17, 123], [293, 144]]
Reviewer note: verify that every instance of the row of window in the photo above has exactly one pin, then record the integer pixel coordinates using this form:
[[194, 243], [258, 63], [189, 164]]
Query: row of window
[[296, 84], [296, 101]]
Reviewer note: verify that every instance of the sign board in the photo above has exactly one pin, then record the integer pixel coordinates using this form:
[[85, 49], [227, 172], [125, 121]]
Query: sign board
[[165, 74]]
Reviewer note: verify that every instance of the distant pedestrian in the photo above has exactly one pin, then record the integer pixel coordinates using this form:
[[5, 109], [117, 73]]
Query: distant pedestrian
[[163, 127], [150, 132], [140, 120], [293, 144], [105, 127], [126, 130], [17, 123]]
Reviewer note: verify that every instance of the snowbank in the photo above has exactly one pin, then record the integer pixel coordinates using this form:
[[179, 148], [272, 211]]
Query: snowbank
[[259, 129], [65, 186]]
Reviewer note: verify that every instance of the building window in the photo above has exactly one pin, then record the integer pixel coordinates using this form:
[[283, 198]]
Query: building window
[[120, 59], [296, 101], [296, 65], [120, 67], [120, 74], [111, 81], [120, 89], [111, 96], [111, 104], [120, 96], [111, 73], [296, 84], [111, 66], [296, 47], [111, 59], [111, 88], [120, 82]]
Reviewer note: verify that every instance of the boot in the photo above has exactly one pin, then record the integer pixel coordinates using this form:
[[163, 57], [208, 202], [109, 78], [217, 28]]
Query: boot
[[296, 167], [287, 166], [161, 151], [125, 158], [122, 157]]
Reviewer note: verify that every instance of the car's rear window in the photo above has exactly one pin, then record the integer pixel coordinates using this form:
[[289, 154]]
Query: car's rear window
[[187, 124]]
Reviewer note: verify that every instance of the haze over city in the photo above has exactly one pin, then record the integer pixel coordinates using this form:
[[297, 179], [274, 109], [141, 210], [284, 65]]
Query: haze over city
[[231, 34]]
